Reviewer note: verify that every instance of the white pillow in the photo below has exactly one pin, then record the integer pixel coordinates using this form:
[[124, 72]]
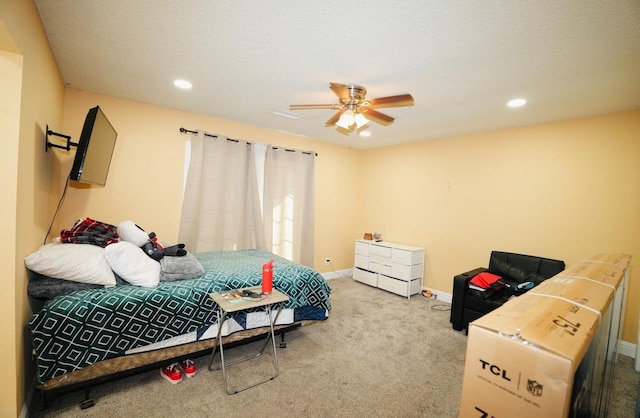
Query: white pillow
[[129, 231], [82, 263], [132, 264]]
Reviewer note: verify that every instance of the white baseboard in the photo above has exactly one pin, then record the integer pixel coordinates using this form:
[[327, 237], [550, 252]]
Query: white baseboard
[[336, 274], [444, 296], [439, 295], [627, 349]]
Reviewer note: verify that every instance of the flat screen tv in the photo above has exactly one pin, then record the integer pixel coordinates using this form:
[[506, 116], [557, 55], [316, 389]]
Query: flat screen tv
[[95, 148]]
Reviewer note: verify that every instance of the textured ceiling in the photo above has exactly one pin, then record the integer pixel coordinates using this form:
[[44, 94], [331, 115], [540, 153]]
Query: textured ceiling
[[461, 60]]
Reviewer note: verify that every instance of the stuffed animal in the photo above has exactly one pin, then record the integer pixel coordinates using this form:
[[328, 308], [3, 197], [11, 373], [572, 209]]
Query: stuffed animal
[[129, 231]]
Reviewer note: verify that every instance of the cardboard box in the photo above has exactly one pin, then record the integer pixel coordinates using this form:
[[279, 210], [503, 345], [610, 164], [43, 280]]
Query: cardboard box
[[607, 273], [521, 357], [587, 293], [622, 260], [538, 355]]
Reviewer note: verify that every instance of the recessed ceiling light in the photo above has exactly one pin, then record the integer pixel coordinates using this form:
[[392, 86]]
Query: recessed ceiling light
[[365, 133], [516, 102], [183, 84]]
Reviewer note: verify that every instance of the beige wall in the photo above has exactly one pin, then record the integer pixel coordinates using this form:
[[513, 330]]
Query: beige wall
[[561, 190], [10, 82], [146, 175], [32, 94]]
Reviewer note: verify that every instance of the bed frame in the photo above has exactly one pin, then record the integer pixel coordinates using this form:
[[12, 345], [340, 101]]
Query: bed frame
[[120, 367]]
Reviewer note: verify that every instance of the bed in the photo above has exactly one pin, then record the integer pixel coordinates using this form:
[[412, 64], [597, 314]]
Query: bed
[[90, 335]]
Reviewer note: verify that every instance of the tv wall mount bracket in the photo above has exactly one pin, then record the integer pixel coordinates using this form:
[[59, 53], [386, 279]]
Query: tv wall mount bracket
[[48, 144]]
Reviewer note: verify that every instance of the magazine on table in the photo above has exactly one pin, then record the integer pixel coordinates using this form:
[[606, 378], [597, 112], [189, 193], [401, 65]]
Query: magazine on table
[[241, 295]]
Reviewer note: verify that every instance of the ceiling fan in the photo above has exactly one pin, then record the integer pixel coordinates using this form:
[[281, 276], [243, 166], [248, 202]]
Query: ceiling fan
[[355, 109]]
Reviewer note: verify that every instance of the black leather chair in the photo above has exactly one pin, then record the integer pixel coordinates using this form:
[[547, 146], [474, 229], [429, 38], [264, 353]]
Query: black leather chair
[[468, 304]]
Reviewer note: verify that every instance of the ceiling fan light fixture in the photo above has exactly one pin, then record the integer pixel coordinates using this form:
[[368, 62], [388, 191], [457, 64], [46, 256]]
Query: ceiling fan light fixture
[[346, 119], [355, 109], [360, 120]]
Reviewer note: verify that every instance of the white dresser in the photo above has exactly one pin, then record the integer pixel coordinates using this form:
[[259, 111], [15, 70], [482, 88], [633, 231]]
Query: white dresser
[[394, 267]]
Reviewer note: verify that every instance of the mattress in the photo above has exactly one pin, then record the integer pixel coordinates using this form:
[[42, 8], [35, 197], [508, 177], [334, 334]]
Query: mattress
[[82, 328]]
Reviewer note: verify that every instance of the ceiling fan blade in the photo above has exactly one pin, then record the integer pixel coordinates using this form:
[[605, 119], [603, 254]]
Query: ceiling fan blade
[[392, 101], [313, 106], [376, 116], [341, 90], [332, 121]]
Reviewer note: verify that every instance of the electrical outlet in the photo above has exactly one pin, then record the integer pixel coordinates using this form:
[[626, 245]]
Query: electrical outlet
[[327, 261]]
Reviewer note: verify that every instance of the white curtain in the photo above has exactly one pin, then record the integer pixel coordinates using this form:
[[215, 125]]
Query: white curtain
[[221, 204], [240, 195], [289, 203]]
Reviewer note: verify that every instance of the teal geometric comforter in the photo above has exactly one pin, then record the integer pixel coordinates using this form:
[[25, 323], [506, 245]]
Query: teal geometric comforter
[[82, 328]]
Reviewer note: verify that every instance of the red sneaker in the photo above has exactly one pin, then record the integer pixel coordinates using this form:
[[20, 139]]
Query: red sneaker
[[172, 373], [188, 367]]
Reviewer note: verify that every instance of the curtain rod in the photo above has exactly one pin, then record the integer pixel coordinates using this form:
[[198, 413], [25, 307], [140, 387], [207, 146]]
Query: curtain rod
[[189, 131]]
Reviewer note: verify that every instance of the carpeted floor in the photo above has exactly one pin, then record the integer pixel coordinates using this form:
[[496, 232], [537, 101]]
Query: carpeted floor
[[378, 355]]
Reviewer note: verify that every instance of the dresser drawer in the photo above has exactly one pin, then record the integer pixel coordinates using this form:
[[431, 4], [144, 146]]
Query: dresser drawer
[[381, 259], [362, 248], [407, 257], [379, 268], [400, 271], [380, 250], [362, 261], [366, 277], [392, 285]]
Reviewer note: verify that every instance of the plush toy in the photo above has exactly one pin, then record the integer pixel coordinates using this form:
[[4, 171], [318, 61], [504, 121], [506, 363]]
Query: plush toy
[[129, 231]]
